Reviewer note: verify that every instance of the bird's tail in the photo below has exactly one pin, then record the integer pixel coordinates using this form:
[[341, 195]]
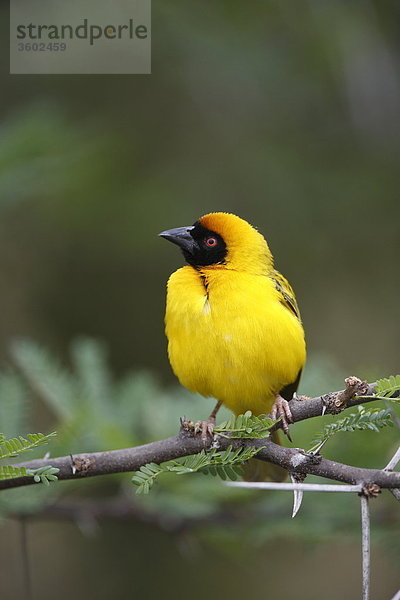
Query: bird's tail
[[259, 470]]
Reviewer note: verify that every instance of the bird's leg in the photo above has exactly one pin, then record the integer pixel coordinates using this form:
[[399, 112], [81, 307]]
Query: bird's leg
[[280, 408], [207, 427]]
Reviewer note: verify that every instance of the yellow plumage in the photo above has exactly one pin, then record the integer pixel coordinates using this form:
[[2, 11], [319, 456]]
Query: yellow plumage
[[233, 327]]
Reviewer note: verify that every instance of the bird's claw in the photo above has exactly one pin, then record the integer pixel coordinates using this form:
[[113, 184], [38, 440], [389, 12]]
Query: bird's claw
[[206, 428], [281, 409]]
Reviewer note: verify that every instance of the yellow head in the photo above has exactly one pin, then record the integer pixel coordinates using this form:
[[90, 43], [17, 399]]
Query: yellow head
[[223, 241]]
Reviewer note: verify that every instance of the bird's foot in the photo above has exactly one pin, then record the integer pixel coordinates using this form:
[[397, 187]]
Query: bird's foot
[[205, 427], [281, 409]]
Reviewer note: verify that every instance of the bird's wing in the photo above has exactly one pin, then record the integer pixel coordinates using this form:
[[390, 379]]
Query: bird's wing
[[286, 292]]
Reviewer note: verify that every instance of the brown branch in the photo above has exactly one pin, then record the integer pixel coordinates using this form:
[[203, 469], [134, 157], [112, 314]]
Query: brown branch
[[356, 392], [185, 443]]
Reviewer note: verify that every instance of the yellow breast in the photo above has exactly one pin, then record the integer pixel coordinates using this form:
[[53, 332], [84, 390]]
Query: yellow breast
[[230, 337]]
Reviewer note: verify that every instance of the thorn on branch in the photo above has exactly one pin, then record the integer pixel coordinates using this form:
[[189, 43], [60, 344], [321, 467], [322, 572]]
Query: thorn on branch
[[319, 447], [297, 494]]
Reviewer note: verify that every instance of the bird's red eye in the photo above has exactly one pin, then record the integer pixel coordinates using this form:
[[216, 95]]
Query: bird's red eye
[[211, 241]]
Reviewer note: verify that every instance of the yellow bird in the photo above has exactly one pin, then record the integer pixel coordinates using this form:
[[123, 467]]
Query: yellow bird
[[232, 321]]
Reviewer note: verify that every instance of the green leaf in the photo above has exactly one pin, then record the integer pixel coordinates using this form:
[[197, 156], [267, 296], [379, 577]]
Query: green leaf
[[246, 426], [44, 474], [225, 464], [145, 477], [385, 388], [373, 420], [15, 446], [9, 472]]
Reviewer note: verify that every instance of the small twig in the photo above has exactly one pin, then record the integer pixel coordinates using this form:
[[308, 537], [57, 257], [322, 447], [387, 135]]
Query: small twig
[[365, 545], [290, 487], [393, 461], [354, 387], [396, 493], [389, 467]]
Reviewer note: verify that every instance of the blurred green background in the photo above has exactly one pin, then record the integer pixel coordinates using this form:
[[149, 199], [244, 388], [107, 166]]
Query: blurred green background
[[285, 113]]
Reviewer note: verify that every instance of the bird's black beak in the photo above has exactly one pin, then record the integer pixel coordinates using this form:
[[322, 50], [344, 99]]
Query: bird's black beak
[[180, 236]]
